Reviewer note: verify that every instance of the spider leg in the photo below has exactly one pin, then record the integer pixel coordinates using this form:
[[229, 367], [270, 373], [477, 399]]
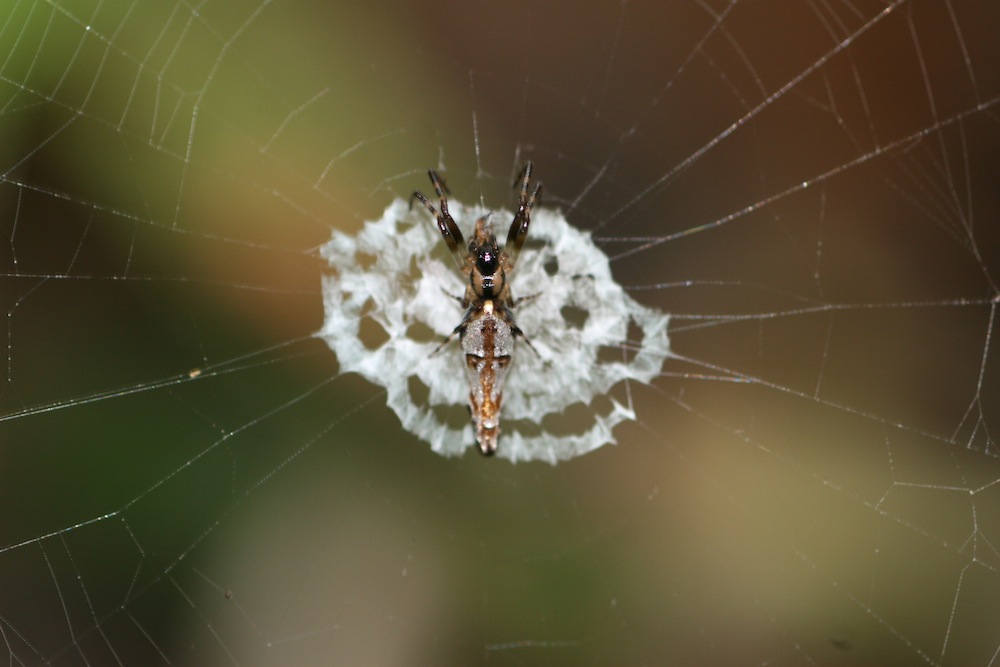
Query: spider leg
[[519, 227], [457, 331], [518, 301], [520, 334], [514, 329], [461, 300], [449, 230], [447, 340]]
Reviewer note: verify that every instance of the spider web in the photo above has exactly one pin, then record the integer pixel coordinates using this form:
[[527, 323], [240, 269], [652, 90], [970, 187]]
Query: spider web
[[808, 188]]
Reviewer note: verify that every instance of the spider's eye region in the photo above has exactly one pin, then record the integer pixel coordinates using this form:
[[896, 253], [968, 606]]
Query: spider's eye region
[[487, 262]]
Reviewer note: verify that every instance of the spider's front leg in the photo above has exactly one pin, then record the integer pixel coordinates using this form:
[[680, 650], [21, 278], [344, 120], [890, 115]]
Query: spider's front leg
[[449, 230], [519, 227]]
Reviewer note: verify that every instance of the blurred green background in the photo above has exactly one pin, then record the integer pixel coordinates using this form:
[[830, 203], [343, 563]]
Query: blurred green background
[[185, 478]]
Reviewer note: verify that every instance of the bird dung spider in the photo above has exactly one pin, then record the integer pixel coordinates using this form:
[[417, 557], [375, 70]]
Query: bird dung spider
[[487, 331]]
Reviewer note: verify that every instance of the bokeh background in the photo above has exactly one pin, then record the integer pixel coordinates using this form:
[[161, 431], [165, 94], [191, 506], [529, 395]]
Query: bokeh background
[[810, 188]]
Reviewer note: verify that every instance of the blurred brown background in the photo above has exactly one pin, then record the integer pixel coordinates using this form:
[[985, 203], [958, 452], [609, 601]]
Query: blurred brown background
[[169, 173]]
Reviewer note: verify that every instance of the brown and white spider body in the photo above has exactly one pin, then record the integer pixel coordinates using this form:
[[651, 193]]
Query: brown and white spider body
[[487, 331]]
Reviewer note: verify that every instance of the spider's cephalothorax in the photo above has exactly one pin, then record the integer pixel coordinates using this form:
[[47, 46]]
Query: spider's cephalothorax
[[487, 331]]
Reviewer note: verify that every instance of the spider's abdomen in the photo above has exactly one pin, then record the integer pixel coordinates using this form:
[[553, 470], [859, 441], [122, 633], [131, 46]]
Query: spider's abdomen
[[488, 342]]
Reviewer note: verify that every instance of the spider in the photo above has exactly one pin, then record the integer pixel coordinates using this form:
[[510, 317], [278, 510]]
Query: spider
[[487, 330]]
